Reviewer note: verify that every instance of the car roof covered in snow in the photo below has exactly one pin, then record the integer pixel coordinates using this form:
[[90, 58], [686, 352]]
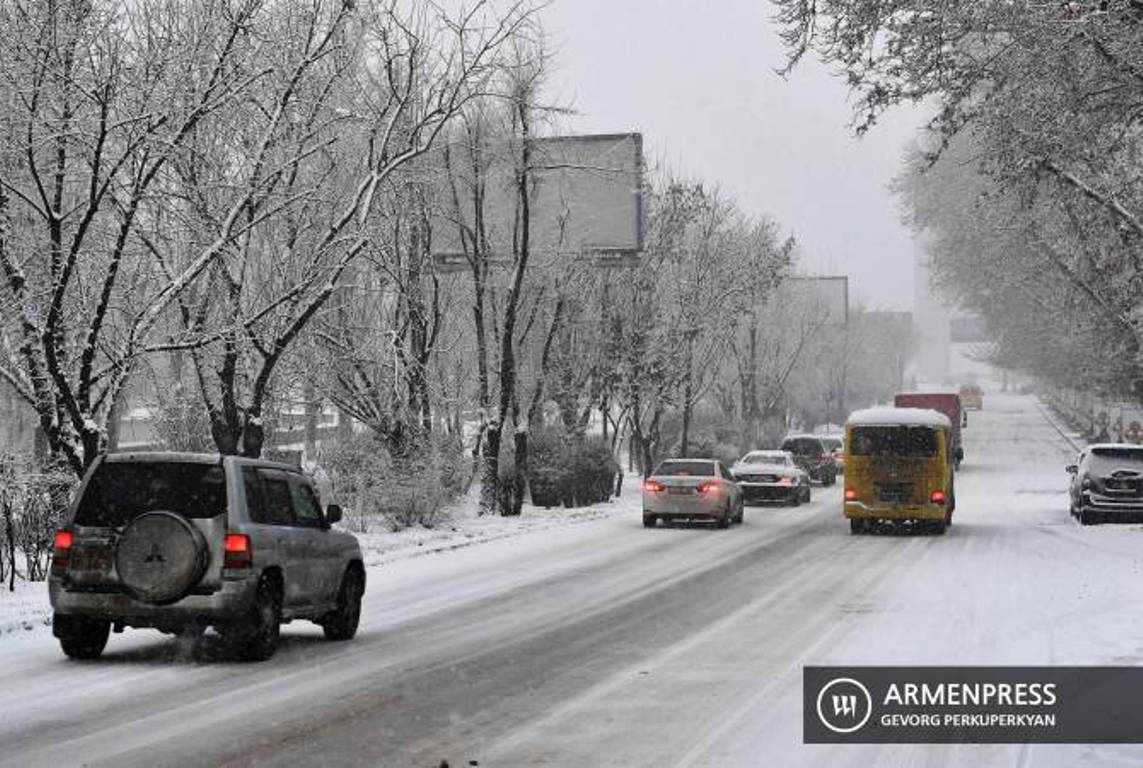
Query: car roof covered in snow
[[918, 417]]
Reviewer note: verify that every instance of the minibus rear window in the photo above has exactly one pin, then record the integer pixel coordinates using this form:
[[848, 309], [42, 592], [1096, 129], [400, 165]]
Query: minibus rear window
[[894, 441]]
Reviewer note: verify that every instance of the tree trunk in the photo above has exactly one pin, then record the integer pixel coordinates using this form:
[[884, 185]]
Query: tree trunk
[[688, 396], [521, 477], [313, 413], [490, 480], [114, 417]]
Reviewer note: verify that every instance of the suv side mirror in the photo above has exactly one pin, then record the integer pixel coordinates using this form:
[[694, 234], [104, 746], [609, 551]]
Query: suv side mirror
[[333, 514], [1072, 469]]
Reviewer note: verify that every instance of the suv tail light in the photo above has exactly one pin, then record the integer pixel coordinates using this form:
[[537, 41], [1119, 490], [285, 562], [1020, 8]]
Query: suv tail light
[[61, 550], [937, 497], [653, 487], [785, 481], [237, 551]]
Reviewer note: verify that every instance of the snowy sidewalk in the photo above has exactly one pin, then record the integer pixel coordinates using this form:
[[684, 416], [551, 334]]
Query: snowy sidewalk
[[27, 608]]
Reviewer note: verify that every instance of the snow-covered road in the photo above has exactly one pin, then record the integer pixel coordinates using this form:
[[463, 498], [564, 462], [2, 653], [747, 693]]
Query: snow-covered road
[[604, 644]]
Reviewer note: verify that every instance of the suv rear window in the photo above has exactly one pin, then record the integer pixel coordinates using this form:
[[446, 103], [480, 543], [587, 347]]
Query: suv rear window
[[894, 441], [684, 468], [118, 492], [803, 445]]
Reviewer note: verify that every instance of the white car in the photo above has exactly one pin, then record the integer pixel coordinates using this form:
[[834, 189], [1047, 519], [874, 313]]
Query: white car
[[771, 476], [691, 489]]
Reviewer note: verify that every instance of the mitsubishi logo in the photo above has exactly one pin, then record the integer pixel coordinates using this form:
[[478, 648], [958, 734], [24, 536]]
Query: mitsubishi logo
[[156, 555]]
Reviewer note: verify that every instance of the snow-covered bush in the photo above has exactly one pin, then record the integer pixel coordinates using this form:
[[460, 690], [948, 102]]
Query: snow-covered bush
[[180, 420], [32, 503], [375, 487], [569, 469]]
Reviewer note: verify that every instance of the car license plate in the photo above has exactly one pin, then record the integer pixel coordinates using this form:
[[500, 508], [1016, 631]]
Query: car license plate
[[893, 494], [91, 560], [678, 490]]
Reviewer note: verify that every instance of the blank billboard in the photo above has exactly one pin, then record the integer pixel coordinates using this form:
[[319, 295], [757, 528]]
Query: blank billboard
[[827, 297], [585, 198]]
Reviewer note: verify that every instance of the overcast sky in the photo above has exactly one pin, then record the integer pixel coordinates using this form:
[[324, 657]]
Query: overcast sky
[[696, 78]]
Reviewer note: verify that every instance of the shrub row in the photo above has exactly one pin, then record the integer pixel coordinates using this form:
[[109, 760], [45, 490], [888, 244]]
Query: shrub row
[[571, 470]]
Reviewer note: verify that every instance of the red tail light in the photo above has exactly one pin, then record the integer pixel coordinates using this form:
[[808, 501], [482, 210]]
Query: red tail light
[[237, 551], [652, 487], [850, 494], [61, 550], [785, 481], [707, 488], [937, 497]]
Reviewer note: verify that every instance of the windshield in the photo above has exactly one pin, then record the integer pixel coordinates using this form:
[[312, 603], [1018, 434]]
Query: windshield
[[893, 441], [118, 492], [685, 468]]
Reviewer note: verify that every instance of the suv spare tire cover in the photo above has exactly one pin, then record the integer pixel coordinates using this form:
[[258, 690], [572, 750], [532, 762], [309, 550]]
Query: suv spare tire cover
[[159, 557]]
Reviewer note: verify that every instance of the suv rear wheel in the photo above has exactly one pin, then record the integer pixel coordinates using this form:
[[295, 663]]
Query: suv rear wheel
[[342, 623], [81, 637], [258, 640]]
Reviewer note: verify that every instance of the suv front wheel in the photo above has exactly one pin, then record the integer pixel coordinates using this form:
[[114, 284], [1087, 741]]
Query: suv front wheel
[[81, 637], [341, 624]]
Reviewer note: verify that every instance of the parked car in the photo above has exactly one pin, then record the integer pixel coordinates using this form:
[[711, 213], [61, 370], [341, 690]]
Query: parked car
[[1107, 483], [182, 542], [771, 476], [835, 444], [691, 489], [811, 455]]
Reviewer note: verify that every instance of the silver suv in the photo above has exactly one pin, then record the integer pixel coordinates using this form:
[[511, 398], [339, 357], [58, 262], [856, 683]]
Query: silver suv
[[180, 542]]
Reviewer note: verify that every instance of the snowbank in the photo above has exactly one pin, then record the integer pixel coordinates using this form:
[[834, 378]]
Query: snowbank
[[28, 608]]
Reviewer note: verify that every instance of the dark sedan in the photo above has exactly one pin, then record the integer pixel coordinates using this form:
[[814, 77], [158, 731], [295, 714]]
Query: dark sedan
[[811, 454], [771, 476]]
